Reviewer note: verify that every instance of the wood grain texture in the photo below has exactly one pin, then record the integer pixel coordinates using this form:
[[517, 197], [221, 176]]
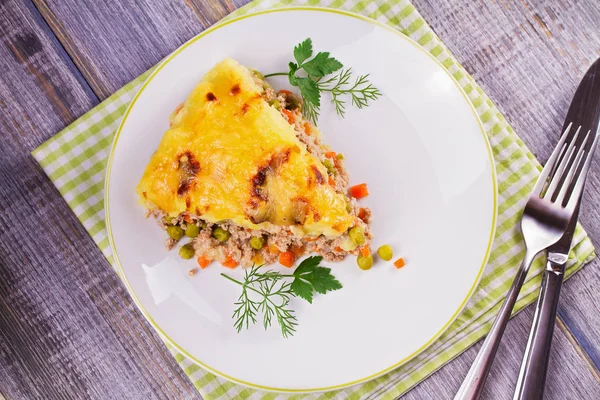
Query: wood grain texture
[[211, 12], [68, 329], [578, 311], [77, 335], [113, 43], [569, 378]]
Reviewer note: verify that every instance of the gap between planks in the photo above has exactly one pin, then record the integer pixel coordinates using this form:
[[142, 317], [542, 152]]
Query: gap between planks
[[577, 346], [68, 45]]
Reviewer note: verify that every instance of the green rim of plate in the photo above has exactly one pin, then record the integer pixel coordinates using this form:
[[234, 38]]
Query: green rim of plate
[[121, 271]]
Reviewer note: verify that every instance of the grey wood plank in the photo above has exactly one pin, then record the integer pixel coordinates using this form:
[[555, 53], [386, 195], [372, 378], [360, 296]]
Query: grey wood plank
[[578, 309], [569, 377], [115, 42], [210, 12], [67, 326]]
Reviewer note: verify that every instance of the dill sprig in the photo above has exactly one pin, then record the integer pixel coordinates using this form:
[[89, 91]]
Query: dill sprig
[[269, 293], [361, 91], [271, 299]]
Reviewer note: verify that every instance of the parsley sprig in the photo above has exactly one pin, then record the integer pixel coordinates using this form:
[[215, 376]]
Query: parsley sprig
[[269, 293], [310, 76]]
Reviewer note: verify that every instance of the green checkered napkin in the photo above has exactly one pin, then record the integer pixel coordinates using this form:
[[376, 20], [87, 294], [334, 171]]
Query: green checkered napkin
[[75, 161]]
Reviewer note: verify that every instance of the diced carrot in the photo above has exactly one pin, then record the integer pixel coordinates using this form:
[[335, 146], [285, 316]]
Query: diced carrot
[[330, 154], [359, 191], [187, 219], [362, 213], [399, 263], [290, 116], [307, 128], [331, 181], [365, 251], [229, 262], [273, 249], [298, 251], [203, 261], [338, 249], [258, 259], [286, 259], [286, 92]]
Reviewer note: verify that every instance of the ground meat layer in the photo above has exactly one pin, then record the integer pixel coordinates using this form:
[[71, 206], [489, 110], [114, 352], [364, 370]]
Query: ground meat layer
[[237, 249]]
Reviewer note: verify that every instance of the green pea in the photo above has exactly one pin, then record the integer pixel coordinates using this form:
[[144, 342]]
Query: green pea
[[257, 242], [187, 251], [275, 103], [364, 263], [385, 252], [192, 230], [258, 74], [175, 232], [169, 220], [220, 234], [330, 169], [340, 156], [348, 206], [357, 234]]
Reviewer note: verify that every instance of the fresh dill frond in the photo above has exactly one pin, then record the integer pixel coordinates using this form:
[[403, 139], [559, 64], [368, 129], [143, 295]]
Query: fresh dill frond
[[270, 294]]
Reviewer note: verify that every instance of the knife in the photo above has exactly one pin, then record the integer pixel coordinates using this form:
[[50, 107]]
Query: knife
[[584, 111]]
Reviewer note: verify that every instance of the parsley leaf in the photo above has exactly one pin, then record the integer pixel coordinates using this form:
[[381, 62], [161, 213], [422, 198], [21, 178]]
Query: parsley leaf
[[321, 65], [303, 51], [309, 90], [309, 276], [303, 289], [314, 80], [323, 281], [308, 265]]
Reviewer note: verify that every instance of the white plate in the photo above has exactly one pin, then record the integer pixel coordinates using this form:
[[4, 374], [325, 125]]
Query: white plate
[[425, 157]]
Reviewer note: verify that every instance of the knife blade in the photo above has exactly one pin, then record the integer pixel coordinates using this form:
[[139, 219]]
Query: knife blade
[[585, 111]]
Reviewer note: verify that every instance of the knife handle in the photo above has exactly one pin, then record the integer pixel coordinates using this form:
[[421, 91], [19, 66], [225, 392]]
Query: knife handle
[[532, 376]]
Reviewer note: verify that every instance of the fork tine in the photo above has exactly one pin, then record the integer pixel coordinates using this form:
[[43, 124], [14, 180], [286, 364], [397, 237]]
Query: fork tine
[[564, 163], [568, 182], [580, 183], [541, 182]]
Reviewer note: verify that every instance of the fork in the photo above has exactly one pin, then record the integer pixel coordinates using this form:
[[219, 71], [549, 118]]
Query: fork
[[545, 219]]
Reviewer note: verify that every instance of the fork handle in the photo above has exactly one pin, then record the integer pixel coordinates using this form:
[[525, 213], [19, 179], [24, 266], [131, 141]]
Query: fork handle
[[532, 375], [474, 382]]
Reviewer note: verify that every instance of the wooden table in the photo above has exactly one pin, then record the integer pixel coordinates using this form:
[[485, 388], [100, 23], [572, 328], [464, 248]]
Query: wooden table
[[68, 328]]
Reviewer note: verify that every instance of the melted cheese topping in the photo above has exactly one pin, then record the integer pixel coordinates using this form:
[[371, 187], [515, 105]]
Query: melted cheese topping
[[229, 155]]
